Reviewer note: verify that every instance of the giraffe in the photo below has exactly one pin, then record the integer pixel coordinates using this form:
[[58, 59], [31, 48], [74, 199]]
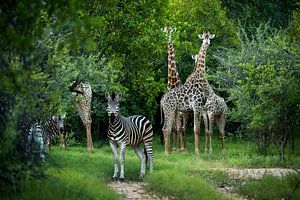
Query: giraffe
[[191, 96], [174, 81], [83, 105], [215, 111]]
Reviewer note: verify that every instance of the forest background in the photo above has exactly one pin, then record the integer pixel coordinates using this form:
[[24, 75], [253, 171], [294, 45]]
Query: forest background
[[253, 62]]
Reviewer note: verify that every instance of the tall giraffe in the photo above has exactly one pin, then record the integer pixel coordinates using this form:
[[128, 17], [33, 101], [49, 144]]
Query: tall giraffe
[[215, 110], [83, 105], [174, 81], [189, 96]]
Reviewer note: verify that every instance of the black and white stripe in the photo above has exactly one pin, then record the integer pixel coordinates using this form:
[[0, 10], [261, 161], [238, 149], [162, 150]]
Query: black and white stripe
[[39, 138], [130, 131], [35, 147]]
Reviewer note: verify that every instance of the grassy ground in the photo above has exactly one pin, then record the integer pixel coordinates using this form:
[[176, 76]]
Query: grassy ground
[[74, 173]]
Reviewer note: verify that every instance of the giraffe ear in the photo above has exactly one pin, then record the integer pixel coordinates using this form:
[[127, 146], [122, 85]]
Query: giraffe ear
[[193, 57], [211, 36], [201, 36]]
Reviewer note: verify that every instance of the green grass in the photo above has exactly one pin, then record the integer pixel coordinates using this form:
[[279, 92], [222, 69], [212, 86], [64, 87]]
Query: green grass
[[74, 173], [271, 187]]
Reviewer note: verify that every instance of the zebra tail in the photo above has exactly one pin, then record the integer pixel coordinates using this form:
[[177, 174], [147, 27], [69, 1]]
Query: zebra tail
[[146, 155]]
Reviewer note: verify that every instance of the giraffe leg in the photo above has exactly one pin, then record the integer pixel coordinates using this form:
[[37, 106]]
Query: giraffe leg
[[196, 131], [221, 126], [179, 131], [186, 116], [181, 139], [174, 139], [167, 129], [184, 137], [211, 122], [206, 129]]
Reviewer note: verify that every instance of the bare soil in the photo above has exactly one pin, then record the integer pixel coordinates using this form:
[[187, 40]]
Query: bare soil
[[133, 191]]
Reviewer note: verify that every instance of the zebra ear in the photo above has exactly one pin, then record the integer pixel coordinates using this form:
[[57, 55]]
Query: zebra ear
[[107, 95], [118, 97]]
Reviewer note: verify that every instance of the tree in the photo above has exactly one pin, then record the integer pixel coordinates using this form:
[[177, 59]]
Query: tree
[[263, 81]]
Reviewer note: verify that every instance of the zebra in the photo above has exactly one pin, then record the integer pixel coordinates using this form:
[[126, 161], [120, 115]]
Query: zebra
[[39, 137], [130, 131], [35, 141]]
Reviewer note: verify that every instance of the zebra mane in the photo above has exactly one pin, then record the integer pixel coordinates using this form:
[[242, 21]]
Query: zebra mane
[[113, 96]]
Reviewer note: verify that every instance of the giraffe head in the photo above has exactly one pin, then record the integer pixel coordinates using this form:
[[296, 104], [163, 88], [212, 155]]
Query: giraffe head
[[169, 30], [206, 37], [113, 104]]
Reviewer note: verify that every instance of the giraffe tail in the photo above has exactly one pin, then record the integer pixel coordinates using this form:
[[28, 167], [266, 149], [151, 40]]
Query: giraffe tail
[[161, 115]]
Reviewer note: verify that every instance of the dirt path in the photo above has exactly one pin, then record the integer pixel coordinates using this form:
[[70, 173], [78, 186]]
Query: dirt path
[[135, 190]]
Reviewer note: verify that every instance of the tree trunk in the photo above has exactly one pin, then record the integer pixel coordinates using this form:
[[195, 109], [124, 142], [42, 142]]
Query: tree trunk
[[283, 142], [89, 139]]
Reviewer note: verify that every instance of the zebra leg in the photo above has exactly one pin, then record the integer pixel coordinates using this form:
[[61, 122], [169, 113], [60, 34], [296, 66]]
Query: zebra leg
[[114, 149], [38, 138], [122, 160], [148, 147], [139, 152]]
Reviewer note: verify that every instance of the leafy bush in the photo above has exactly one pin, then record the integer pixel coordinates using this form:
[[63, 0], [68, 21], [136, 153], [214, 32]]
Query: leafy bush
[[262, 77]]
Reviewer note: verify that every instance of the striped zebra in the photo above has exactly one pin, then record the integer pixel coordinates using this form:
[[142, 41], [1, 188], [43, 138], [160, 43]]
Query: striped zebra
[[130, 131], [40, 136], [35, 142]]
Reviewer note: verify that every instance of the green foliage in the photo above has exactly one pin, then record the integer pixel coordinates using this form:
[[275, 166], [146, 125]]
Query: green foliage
[[273, 187], [251, 13], [263, 78]]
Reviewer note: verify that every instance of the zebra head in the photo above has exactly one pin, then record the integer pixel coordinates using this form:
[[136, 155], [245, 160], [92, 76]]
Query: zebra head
[[113, 105]]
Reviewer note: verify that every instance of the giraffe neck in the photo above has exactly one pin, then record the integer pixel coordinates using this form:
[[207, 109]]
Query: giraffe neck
[[200, 64], [199, 70], [207, 89], [173, 75]]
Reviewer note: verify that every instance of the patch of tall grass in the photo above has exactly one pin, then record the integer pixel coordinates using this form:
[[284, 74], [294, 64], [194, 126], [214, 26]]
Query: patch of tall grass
[[271, 187], [182, 186]]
